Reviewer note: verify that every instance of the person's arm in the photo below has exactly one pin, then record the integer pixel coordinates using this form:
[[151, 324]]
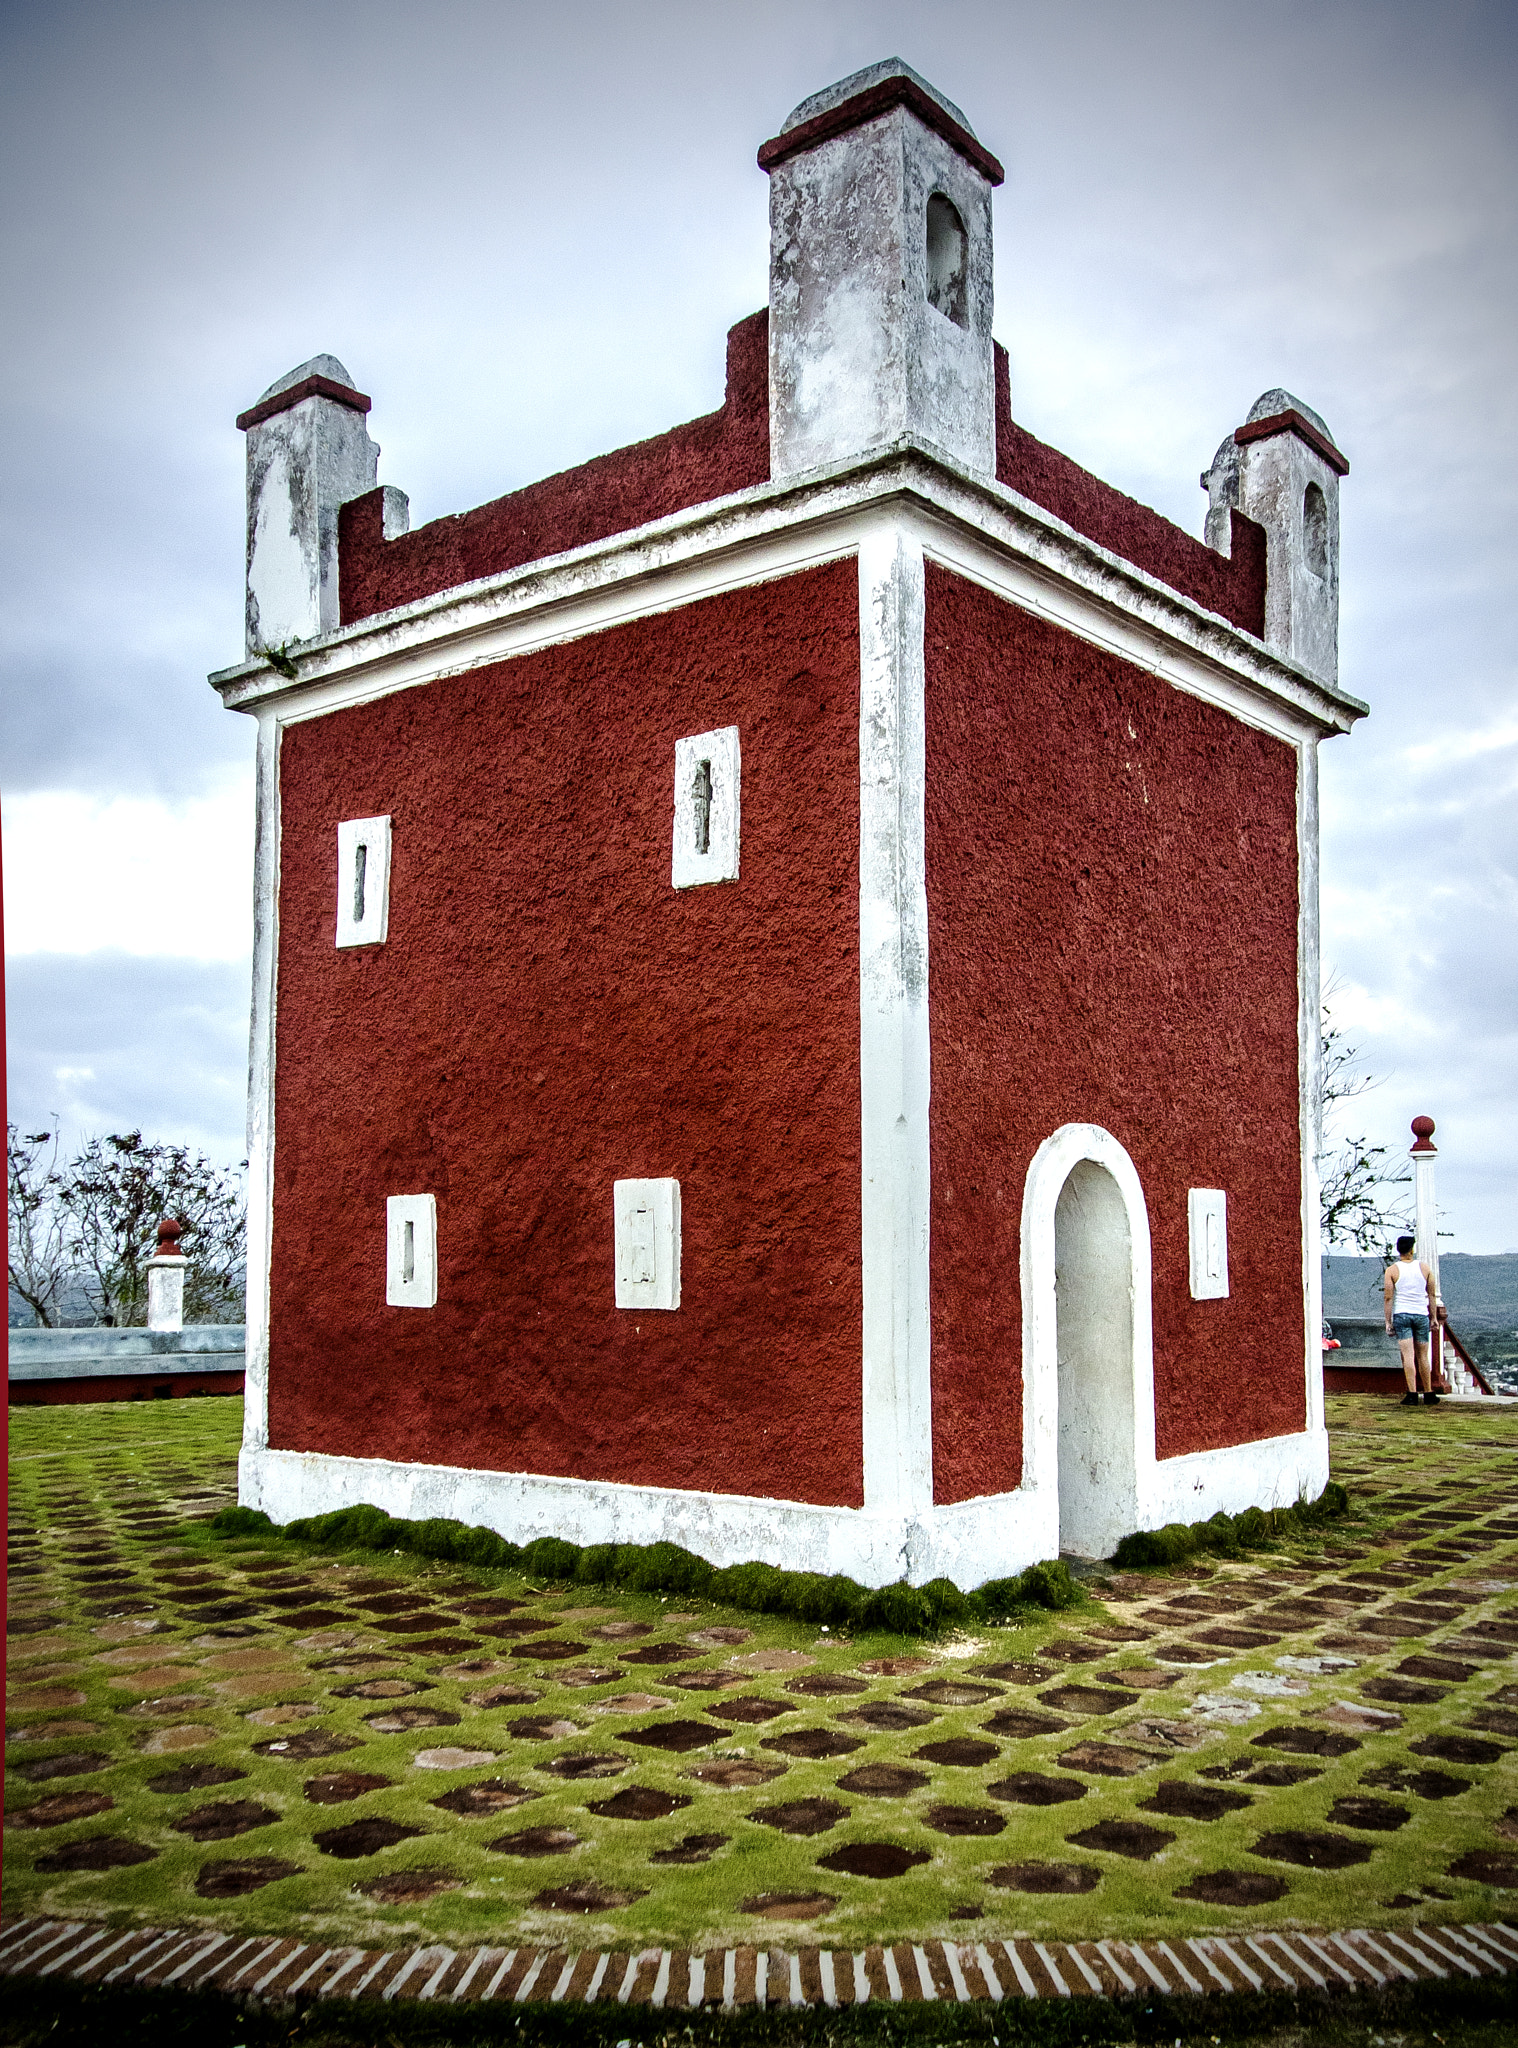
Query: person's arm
[[1388, 1288]]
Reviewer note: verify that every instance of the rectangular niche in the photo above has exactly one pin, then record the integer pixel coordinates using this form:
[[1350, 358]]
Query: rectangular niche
[[363, 882], [1207, 1216], [706, 809], [647, 1228], [411, 1251]]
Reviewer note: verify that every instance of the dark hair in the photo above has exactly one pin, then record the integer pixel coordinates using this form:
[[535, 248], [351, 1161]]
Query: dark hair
[[1406, 1245]]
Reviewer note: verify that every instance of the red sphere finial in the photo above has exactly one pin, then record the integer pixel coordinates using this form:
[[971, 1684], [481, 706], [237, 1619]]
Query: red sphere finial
[[1423, 1130], [169, 1233]]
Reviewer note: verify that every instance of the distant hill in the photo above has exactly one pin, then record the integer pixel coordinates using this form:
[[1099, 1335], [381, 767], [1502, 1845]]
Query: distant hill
[[1481, 1292]]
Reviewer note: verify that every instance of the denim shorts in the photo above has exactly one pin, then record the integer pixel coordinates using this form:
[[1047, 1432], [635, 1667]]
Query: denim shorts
[[1412, 1326]]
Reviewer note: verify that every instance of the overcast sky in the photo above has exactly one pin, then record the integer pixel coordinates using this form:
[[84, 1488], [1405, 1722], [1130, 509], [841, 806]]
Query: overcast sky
[[525, 231]]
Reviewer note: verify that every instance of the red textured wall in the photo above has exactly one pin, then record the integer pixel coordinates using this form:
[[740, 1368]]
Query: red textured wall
[[724, 451], [549, 1015], [1112, 916], [1234, 587]]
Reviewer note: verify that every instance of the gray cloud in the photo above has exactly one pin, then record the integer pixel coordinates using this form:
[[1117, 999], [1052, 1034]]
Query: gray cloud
[[111, 1042], [525, 231]]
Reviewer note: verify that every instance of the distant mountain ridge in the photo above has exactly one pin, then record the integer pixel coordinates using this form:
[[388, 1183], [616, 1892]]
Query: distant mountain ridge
[[1480, 1290]]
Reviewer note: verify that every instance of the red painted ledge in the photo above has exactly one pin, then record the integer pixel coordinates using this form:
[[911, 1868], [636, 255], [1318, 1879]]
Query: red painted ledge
[[1293, 422], [864, 106], [308, 387]]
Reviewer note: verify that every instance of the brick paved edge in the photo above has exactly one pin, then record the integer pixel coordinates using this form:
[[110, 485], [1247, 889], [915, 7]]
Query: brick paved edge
[[274, 1969]]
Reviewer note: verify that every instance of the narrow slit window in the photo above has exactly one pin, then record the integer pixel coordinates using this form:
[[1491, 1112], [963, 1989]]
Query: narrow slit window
[[948, 261], [1207, 1229], [1315, 529], [363, 881], [411, 1251], [706, 808]]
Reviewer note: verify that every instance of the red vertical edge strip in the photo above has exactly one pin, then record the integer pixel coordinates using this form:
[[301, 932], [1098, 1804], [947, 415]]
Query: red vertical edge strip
[[5, 1476]]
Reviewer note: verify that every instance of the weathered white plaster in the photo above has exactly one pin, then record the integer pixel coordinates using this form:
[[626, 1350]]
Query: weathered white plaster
[[411, 1251], [363, 881], [1310, 1081], [894, 1050], [261, 1051], [707, 805], [978, 527], [166, 1292], [1293, 492], [395, 512], [1207, 1240], [303, 464], [969, 1542], [859, 352], [646, 1233]]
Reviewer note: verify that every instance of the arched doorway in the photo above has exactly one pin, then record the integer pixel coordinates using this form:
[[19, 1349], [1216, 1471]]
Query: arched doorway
[[1093, 1307], [1088, 1360]]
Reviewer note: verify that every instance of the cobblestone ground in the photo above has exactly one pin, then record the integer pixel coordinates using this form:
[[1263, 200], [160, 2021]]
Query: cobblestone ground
[[260, 1739]]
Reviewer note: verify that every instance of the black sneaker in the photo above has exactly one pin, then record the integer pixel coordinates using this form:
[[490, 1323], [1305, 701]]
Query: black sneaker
[[1409, 1400], [1430, 1400]]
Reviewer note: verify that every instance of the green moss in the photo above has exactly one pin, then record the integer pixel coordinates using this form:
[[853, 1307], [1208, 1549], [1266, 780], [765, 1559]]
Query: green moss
[[1231, 1535]]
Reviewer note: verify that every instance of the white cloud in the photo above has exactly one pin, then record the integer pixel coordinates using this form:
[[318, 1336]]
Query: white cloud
[[138, 875]]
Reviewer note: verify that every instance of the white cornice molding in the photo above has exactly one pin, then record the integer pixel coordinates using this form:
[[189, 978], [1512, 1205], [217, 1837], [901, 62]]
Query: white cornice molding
[[982, 528]]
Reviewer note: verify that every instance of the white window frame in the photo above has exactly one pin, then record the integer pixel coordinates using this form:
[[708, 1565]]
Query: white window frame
[[1207, 1229], [372, 837], [416, 1288], [646, 1232], [719, 863]]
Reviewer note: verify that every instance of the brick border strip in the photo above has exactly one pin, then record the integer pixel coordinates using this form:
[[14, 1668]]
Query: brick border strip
[[278, 1968]]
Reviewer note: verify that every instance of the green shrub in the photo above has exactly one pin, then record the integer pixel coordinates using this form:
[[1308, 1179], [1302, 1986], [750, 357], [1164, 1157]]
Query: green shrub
[[597, 1565], [1170, 1545], [902, 1609], [1050, 1585], [757, 1587], [1229, 1535], [240, 1521], [949, 1606], [357, 1528], [666, 1568], [480, 1546], [550, 1557]]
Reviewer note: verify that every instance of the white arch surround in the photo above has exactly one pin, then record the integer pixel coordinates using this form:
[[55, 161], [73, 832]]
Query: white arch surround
[[1267, 1472], [1051, 1167]]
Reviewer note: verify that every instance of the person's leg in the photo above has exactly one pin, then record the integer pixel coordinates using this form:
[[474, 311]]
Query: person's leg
[[1425, 1371], [1405, 1346]]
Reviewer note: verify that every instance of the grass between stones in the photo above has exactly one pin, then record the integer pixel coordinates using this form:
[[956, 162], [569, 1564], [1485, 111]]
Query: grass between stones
[[270, 1738]]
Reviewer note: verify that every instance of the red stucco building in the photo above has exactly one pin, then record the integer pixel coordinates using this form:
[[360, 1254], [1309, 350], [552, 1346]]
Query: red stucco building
[[786, 983]]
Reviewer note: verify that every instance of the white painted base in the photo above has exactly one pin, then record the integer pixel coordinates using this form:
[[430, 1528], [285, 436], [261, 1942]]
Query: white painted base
[[969, 1542]]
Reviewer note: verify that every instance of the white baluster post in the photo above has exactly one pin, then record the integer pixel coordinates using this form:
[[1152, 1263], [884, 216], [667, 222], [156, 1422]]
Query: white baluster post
[[1425, 1153], [166, 1270]]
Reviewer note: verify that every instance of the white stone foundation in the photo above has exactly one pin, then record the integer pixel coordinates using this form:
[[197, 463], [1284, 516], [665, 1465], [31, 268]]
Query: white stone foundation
[[969, 1542]]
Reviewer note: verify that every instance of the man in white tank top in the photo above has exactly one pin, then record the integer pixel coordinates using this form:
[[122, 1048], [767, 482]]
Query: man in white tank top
[[1410, 1300]]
